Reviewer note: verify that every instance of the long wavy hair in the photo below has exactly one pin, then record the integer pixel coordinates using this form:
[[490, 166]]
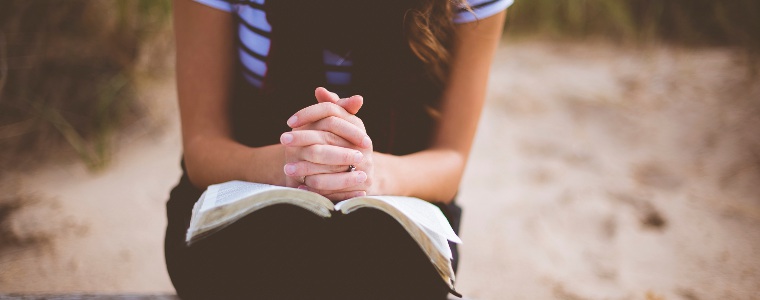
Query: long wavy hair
[[429, 31]]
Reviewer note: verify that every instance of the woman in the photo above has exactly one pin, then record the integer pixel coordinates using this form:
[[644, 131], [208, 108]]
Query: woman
[[247, 73]]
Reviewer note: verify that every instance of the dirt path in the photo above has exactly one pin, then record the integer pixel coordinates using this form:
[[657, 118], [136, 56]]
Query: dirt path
[[601, 173], [76, 230], [598, 173]]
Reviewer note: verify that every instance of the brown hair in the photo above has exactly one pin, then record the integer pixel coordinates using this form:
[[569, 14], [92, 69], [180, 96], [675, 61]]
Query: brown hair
[[429, 31]]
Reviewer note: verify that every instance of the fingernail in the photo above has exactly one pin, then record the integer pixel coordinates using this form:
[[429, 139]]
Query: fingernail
[[292, 121], [290, 169], [361, 177], [334, 95], [303, 187], [358, 156], [361, 194], [286, 138], [366, 142]]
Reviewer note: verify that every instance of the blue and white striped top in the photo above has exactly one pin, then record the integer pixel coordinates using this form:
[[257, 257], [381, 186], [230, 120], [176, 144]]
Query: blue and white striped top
[[254, 30]]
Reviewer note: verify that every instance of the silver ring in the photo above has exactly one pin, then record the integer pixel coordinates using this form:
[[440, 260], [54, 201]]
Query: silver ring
[[351, 168]]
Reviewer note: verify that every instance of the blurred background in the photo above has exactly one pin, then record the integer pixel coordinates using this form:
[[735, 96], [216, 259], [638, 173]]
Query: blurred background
[[618, 156]]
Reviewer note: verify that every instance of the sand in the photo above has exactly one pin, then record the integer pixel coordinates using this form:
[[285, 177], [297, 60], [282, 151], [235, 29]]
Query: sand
[[598, 172]]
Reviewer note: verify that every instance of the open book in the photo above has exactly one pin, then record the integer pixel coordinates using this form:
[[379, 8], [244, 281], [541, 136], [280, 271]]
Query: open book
[[223, 204]]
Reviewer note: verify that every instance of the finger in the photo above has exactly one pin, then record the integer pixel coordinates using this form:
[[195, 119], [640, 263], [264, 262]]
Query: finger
[[335, 196], [331, 155], [335, 181], [341, 128], [352, 192], [340, 196], [323, 95], [351, 104], [302, 138], [304, 168], [354, 120], [317, 112]]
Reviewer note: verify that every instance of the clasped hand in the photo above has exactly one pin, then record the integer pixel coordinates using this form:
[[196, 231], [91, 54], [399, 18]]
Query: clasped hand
[[326, 139]]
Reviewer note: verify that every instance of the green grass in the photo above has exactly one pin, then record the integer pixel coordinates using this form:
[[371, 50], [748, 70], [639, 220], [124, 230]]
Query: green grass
[[67, 71], [686, 22]]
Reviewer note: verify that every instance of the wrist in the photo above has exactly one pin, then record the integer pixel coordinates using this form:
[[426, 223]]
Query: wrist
[[247, 156], [386, 183], [262, 164]]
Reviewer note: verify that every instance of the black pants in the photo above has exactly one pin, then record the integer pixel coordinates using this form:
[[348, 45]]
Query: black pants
[[286, 252]]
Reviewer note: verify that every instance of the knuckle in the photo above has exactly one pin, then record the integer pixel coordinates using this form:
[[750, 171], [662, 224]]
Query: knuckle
[[308, 126], [300, 135], [314, 152], [357, 121], [313, 182], [334, 109], [348, 157], [322, 183], [332, 121], [304, 169], [322, 106], [331, 138], [325, 107]]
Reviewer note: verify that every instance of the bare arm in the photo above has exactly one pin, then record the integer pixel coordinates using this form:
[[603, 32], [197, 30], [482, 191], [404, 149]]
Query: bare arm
[[205, 58], [435, 174], [205, 52]]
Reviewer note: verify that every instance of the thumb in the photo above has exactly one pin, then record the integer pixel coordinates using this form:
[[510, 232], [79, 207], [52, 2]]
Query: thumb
[[351, 104], [323, 95]]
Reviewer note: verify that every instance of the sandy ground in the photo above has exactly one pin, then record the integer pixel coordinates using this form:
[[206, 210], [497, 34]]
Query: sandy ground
[[598, 172]]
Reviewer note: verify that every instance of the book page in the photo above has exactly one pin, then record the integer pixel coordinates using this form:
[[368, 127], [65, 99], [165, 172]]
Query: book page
[[231, 191], [421, 212], [440, 242], [223, 204]]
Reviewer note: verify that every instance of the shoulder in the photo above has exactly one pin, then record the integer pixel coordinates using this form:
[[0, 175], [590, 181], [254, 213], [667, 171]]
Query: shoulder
[[224, 5], [481, 9]]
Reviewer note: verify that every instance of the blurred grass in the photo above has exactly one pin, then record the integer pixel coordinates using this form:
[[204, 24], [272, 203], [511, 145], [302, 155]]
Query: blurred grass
[[685, 22], [68, 69]]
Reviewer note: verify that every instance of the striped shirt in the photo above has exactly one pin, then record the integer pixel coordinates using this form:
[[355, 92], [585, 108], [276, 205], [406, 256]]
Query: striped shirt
[[254, 30]]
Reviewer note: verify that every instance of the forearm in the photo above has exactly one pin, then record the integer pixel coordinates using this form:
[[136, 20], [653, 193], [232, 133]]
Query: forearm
[[211, 159], [433, 175]]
